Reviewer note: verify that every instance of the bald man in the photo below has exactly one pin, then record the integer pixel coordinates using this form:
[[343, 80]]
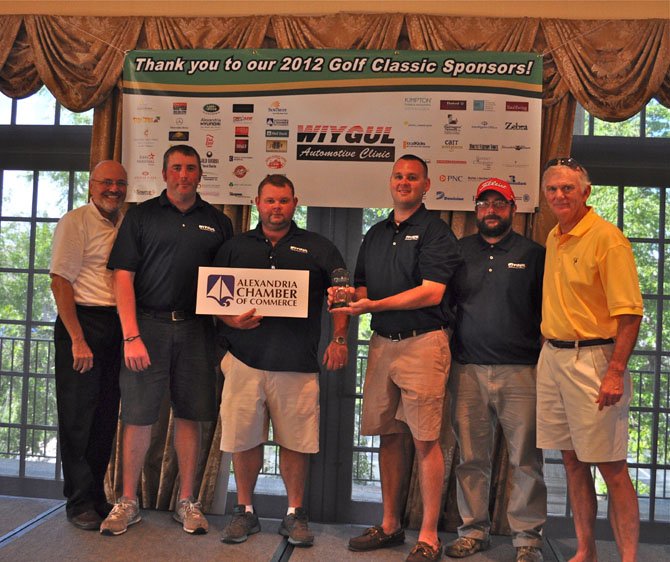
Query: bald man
[[87, 338]]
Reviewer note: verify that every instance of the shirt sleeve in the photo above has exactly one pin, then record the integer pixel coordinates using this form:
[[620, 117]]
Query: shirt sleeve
[[439, 256], [126, 253], [67, 249], [619, 276]]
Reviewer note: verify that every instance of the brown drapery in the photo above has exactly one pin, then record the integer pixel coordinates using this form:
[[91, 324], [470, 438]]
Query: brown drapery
[[612, 68]]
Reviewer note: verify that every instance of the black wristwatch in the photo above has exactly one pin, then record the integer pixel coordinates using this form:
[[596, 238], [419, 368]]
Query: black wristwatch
[[341, 340]]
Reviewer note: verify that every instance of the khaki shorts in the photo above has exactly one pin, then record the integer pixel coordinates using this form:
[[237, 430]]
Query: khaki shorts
[[405, 385], [568, 419], [251, 398]]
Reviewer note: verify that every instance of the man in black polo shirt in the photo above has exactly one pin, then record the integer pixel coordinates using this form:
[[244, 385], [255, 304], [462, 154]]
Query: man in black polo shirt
[[403, 269], [498, 297], [271, 368], [155, 259]]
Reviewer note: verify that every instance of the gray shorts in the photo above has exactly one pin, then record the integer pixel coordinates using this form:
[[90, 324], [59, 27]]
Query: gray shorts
[[182, 361]]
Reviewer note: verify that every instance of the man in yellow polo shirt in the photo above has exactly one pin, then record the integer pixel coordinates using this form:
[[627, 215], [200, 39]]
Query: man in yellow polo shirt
[[591, 314]]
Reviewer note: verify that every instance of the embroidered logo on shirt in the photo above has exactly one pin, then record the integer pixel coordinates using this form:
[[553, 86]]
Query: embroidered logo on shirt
[[298, 249], [412, 237], [206, 228], [511, 265]]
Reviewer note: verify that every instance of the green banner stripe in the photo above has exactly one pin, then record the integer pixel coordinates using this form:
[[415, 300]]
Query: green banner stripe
[[209, 92], [333, 86]]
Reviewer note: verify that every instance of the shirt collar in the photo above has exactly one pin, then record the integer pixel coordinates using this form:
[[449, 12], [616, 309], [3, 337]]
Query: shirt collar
[[94, 209], [415, 218], [582, 227], [258, 233], [165, 202], [505, 244]]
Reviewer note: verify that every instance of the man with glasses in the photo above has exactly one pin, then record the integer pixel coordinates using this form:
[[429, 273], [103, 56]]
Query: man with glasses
[[498, 297], [403, 268], [166, 346], [87, 338], [591, 314]]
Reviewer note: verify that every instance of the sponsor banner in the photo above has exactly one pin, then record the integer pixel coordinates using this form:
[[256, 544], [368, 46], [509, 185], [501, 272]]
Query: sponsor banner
[[272, 292], [334, 121]]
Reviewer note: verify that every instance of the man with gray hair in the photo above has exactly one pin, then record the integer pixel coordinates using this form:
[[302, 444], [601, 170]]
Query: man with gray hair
[[591, 315], [87, 338]]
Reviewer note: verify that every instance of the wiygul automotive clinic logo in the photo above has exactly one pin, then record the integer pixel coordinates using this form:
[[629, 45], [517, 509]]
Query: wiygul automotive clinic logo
[[356, 143], [221, 288]]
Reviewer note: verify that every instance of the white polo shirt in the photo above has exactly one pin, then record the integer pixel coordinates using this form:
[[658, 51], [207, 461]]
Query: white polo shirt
[[80, 249]]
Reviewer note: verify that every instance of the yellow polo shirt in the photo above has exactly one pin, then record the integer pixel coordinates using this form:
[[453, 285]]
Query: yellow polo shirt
[[589, 278]]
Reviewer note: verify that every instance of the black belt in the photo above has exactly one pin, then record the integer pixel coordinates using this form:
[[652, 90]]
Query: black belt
[[397, 336], [171, 315], [566, 344]]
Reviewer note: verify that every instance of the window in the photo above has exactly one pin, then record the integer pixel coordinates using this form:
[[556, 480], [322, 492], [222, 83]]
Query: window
[[36, 188], [366, 483]]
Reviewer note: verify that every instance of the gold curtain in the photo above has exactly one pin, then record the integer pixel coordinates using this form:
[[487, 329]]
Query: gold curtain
[[611, 67], [18, 75], [339, 31]]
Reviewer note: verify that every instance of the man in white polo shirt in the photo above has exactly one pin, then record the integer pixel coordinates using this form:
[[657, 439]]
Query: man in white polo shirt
[[87, 337]]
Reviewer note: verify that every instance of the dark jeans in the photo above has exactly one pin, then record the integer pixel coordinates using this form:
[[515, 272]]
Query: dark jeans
[[88, 407]]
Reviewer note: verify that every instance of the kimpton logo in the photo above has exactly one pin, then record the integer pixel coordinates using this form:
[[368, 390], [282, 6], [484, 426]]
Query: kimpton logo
[[221, 288]]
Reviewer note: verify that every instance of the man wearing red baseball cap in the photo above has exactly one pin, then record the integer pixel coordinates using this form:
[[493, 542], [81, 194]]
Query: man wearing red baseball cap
[[498, 297]]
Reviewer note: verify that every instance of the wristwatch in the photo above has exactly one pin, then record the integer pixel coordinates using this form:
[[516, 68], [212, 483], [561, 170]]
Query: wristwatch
[[341, 340]]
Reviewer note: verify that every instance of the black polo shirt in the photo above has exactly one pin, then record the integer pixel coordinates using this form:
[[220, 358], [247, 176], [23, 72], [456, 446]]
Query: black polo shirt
[[498, 297], [393, 259], [282, 344], [165, 247]]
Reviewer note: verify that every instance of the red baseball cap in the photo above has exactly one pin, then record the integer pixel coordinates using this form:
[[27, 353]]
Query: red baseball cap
[[498, 185]]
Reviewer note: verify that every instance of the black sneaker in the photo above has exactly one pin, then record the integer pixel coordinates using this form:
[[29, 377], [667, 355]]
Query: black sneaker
[[294, 526], [240, 526]]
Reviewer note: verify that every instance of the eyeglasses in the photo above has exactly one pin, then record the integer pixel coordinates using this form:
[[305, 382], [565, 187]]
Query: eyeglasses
[[109, 183], [569, 162], [496, 204]]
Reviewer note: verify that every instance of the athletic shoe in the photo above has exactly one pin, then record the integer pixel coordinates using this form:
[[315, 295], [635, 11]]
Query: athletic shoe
[[125, 513]]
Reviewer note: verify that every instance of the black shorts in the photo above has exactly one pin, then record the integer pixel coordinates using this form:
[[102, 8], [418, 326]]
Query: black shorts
[[183, 361]]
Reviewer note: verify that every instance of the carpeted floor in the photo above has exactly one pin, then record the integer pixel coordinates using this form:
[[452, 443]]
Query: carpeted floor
[[16, 512], [159, 538]]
